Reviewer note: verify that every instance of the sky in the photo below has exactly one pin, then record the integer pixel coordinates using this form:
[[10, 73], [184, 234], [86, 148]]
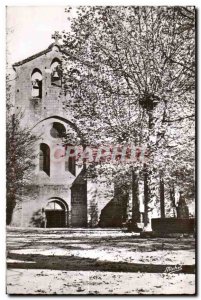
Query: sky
[[29, 29]]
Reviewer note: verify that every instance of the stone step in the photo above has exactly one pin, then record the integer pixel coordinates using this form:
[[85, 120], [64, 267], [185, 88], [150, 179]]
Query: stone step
[[81, 231]]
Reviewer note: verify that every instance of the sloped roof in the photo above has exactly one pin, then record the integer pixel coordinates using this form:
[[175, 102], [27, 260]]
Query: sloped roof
[[19, 63], [80, 179]]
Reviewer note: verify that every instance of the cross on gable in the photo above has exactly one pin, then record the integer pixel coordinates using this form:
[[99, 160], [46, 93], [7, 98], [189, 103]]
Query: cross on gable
[[56, 36]]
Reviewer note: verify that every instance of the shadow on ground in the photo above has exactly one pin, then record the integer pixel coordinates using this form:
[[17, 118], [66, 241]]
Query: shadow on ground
[[74, 263]]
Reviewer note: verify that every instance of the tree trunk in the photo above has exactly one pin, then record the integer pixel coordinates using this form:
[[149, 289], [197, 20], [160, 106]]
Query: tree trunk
[[135, 200], [147, 168], [10, 208], [147, 191], [172, 199], [162, 198], [146, 196]]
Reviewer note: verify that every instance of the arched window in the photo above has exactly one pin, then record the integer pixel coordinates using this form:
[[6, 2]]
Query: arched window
[[44, 161], [70, 164], [36, 80], [58, 130], [56, 72]]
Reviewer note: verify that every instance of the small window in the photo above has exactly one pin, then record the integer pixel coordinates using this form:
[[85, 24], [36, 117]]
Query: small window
[[70, 165], [36, 80], [56, 72], [58, 130], [44, 160]]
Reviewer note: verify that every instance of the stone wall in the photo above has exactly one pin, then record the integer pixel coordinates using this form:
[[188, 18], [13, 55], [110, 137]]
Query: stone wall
[[84, 200], [51, 103], [35, 198]]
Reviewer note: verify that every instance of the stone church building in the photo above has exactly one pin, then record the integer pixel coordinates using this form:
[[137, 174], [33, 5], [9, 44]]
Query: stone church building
[[58, 195]]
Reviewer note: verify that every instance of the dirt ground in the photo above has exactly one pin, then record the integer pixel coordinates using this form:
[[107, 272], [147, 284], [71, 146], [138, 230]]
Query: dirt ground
[[45, 261]]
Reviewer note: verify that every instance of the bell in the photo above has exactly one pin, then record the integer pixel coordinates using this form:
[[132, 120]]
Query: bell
[[35, 84], [55, 75]]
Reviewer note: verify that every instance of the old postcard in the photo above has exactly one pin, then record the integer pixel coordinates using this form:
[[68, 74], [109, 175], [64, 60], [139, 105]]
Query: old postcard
[[100, 150]]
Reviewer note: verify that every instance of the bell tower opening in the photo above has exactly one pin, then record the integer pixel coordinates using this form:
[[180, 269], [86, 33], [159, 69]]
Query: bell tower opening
[[36, 80], [56, 72]]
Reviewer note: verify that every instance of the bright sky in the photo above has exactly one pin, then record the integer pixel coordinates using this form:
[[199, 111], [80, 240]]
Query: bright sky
[[30, 29]]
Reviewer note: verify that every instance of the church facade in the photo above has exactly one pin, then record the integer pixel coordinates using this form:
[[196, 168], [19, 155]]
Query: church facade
[[58, 195]]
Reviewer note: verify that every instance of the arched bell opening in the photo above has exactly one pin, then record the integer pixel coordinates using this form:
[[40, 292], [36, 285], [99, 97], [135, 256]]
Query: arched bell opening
[[56, 72], [36, 80]]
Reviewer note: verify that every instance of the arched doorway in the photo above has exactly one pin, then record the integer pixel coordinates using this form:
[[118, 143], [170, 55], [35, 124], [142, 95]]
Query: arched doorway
[[56, 212]]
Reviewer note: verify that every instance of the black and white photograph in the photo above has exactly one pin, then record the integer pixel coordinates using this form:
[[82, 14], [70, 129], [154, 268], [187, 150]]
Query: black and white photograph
[[100, 150]]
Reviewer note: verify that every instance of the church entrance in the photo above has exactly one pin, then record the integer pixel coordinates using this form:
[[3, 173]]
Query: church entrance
[[56, 214]]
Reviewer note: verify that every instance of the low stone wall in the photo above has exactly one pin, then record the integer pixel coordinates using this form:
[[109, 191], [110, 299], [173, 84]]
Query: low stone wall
[[173, 225]]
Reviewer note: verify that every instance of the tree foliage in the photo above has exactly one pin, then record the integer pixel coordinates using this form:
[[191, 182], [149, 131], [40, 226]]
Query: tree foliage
[[130, 72]]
